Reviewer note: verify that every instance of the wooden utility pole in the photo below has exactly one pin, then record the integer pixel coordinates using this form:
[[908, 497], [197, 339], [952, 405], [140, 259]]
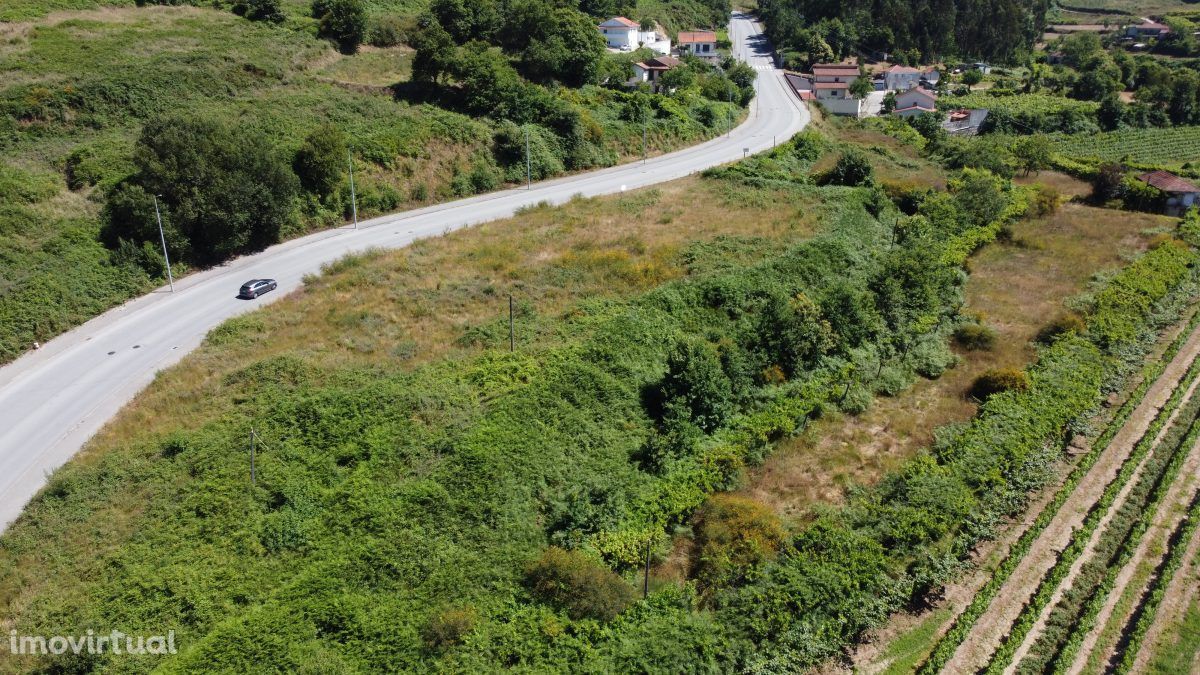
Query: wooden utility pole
[[253, 438], [512, 339], [646, 578]]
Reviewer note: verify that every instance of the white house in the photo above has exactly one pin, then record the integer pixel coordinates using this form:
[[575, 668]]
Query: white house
[[914, 102], [650, 70], [930, 78], [620, 33], [831, 87], [901, 78], [702, 43]]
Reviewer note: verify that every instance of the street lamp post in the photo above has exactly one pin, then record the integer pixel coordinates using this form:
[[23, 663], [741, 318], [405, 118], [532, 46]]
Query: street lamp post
[[163, 238]]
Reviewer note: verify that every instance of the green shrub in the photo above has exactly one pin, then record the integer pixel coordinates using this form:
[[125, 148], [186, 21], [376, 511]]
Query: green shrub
[[734, 536], [695, 386], [576, 583], [322, 160], [853, 168], [1061, 325], [449, 626], [996, 380], [975, 337]]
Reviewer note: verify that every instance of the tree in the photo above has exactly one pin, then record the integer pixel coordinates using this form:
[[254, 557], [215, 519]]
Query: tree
[[889, 102], [222, 191], [260, 10], [320, 162], [696, 386], [1106, 186], [980, 195], [1033, 153], [734, 536], [567, 49], [344, 22], [929, 125], [972, 77], [436, 52], [1110, 113], [861, 86], [852, 168]]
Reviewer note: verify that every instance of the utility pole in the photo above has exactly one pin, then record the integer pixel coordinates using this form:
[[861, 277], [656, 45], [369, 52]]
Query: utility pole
[[512, 339], [646, 578], [528, 163], [644, 135], [253, 438], [353, 199], [162, 237]]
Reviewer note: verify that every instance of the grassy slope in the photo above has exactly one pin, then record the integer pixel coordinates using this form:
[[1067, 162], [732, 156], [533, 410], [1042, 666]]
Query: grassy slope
[[84, 81], [398, 312]]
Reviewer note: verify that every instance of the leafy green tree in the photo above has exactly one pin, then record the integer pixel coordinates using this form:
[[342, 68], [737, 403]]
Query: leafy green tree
[[1111, 112], [861, 86], [321, 161], [972, 77], [792, 333], [569, 49], [466, 21], [929, 125], [696, 386], [1033, 153], [436, 54], [889, 102], [260, 10], [222, 190], [853, 168], [980, 195], [344, 22]]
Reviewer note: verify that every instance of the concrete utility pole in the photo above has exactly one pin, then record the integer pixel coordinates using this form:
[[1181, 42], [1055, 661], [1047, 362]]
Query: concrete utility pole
[[644, 113], [353, 199], [253, 438], [163, 238], [528, 163]]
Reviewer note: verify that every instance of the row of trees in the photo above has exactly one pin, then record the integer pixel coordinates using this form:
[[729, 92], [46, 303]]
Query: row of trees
[[919, 30]]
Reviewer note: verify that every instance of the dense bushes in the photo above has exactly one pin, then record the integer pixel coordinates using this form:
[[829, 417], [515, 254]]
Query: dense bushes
[[734, 537], [975, 337], [222, 191], [578, 584], [996, 380]]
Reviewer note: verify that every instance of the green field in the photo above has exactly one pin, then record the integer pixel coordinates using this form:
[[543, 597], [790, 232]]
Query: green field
[[1167, 147]]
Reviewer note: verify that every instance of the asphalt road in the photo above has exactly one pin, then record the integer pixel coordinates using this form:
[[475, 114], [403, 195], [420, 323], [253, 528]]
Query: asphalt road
[[54, 399]]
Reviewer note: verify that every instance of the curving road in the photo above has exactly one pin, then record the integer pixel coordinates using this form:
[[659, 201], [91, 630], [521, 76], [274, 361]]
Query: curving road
[[54, 399]]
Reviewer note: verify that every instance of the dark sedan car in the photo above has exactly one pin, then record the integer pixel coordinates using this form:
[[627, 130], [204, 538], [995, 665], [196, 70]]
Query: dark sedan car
[[256, 287]]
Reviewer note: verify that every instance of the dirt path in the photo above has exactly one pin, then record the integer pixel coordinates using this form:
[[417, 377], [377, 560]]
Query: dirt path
[[1090, 549], [1170, 513], [990, 629]]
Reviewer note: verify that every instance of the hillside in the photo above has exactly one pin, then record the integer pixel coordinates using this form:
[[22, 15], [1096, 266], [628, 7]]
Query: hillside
[[424, 498], [82, 80]]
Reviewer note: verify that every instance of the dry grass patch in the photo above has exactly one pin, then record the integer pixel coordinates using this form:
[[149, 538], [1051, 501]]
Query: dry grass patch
[[1016, 288]]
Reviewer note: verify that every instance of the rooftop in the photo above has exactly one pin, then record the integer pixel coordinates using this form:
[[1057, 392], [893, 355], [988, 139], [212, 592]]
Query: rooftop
[[694, 36], [622, 21], [1167, 182]]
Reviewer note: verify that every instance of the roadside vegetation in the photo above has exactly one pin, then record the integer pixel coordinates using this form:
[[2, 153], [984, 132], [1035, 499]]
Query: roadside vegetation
[[492, 508], [104, 105]]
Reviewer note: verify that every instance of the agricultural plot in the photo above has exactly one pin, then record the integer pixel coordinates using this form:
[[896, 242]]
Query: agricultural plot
[[1080, 589], [1164, 147], [1020, 104]]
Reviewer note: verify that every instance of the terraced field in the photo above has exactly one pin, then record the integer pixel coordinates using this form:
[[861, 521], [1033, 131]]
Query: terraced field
[[1083, 587]]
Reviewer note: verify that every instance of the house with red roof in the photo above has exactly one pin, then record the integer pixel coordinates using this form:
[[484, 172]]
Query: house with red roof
[[620, 33], [831, 88], [901, 78], [650, 70], [702, 43], [1180, 194], [914, 102]]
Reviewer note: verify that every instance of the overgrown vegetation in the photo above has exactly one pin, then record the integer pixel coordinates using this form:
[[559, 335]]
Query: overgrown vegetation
[[99, 109]]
